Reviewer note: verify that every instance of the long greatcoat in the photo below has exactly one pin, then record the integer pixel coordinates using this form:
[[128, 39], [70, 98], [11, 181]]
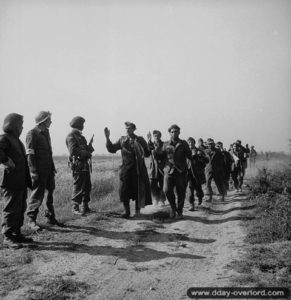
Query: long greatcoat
[[134, 180]]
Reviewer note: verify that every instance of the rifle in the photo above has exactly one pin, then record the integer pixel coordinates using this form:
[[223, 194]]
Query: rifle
[[91, 140]]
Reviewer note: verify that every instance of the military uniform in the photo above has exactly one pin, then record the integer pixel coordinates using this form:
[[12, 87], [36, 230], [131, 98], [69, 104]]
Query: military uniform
[[80, 155], [237, 173], [196, 175], [175, 172], [134, 181], [157, 171], [215, 170], [15, 181], [252, 157]]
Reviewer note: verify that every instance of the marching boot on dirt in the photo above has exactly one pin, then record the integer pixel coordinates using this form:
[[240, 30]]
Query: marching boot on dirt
[[228, 163], [80, 163], [214, 170], [16, 180], [196, 173], [42, 170], [134, 181], [156, 167], [176, 152]]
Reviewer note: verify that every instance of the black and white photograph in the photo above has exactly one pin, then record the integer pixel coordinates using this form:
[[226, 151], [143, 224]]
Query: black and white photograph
[[145, 149]]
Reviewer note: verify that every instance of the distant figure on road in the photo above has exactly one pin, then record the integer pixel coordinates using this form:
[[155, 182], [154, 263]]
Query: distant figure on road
[[237, 173], [134, 180], [228, 162], [156, 166], [253, 157], [176, 152], [214, 170], [81, 164], [244, 159], [15, 181], [196, 173], [42, 170]]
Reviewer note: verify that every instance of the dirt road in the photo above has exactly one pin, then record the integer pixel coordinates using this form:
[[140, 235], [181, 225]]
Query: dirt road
[[142, 258]]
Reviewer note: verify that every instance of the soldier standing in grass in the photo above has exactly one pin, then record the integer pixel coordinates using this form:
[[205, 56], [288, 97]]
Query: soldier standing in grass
[[42, 170], [15, 181], [157, 166], [196, 173], [176, 152], [214, 170], [134, 180], [80, 162]]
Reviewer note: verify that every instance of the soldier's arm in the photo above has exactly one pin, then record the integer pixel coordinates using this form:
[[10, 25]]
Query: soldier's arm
[[113, 147], [4, 146], [30, 151]]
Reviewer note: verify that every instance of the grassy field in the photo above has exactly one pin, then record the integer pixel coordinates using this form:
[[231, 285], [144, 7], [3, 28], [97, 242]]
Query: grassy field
[[268, 236]]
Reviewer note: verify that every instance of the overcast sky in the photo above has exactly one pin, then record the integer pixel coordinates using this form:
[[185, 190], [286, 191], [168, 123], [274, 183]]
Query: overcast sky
[[217, 68]]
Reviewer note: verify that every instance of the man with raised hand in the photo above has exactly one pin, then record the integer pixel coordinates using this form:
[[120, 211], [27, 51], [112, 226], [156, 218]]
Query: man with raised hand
[[15, 181], [134, 181], [42, 170], [80, 160]]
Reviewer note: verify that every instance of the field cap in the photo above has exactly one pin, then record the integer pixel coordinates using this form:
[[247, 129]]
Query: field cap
[[130, 125], [42, 116], [174, 126], [77, 122]]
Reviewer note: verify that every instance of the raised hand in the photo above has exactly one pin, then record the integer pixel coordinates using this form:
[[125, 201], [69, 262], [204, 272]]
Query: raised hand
[[149, 136], [106, 132]]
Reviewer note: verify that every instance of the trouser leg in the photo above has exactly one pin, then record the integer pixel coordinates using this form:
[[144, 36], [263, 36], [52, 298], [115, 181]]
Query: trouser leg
[[13, 211], [36, 198], [191, 197], [78, 183], [209, 177], [169, 190], [49, 211], [87, 189], [181, 185], [199, 192]]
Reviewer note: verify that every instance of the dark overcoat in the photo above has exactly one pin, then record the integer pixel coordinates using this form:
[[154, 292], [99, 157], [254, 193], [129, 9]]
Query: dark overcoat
[[133, 152], [19, 177]]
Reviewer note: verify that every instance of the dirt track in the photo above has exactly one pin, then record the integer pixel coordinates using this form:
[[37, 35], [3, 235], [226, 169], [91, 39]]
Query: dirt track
[[143, 258]]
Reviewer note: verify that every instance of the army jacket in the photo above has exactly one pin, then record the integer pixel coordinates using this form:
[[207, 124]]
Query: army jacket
[[39, 151], [17, 178]]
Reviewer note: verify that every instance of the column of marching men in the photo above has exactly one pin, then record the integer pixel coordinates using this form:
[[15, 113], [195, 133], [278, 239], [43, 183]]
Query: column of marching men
[[175, 166]]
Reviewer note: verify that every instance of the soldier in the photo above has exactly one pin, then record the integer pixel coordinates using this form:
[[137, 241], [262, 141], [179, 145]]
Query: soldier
[[253, 157], [196, 175], [245, 151], [156, 166], [228, 163], [15, 181], [134, 180], [42, 170], [237, 172], [80, 162], [214, 170], [176, 152]]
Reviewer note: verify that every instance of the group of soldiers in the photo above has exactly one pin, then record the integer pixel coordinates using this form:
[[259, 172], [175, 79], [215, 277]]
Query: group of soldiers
[[175, 165]]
